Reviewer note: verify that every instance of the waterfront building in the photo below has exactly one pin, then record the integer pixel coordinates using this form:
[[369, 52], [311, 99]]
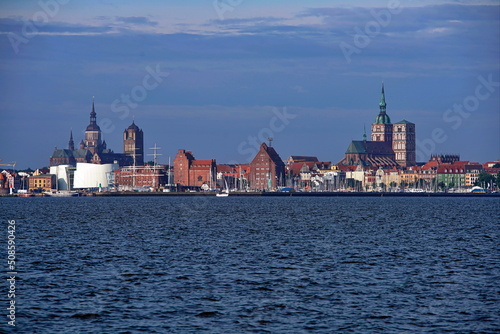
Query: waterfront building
[[472, 174], [235, 175], [304, 173], [89, 175], [451, 175], [267, 170], [65, 176], [130, 177], [189, 172], [45, 182]]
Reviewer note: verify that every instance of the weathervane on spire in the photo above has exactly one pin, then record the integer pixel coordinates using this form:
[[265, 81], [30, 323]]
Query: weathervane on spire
[[270, 139]]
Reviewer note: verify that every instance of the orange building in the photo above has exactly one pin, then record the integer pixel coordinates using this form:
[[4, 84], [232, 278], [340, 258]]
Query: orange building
[[46, 182]]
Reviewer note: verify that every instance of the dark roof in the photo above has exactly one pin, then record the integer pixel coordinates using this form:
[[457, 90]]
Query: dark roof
[[273, 155], [357, 147], [133, 127], [81, 153], [369, 147], [93, 127], [62, 153], [303, 158], [404, 122]]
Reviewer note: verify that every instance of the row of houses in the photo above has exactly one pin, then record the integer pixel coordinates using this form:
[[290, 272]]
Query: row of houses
[[266, 172]]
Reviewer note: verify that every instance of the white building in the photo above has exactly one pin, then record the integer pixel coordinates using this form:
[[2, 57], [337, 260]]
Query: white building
[[93, 175], [63, 175]]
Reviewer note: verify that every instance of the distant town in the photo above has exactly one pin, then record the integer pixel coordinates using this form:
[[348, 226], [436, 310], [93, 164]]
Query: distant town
[[385, 163]]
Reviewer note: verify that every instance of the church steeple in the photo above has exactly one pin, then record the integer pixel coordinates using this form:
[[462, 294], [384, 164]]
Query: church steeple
[[382, 117], [93, 133], [71, 144], [93, 116], [382, 100]]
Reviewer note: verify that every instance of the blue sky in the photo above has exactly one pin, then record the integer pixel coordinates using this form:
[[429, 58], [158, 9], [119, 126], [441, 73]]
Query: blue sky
[[228, 70]]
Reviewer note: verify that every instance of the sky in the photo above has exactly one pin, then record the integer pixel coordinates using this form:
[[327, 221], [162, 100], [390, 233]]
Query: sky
[[218, 77]]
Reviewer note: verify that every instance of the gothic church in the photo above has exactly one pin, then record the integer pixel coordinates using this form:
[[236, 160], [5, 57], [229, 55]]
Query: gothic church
[[391, 145], [94, 150]]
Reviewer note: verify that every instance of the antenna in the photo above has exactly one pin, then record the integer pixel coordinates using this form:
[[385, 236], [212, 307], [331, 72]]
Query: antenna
[[270, 139]]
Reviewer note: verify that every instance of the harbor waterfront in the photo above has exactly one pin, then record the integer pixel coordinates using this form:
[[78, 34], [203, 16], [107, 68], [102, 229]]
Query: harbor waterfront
[[203, 264], [266, 194]]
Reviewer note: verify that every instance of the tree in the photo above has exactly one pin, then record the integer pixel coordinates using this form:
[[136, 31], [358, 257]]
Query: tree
[[497, 165], [382, 186], [484, 179], [441, 185], [403, 184], [393, 184]]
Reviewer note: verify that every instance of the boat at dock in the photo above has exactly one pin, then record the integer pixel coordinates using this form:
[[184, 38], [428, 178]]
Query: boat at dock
[[61, 193]]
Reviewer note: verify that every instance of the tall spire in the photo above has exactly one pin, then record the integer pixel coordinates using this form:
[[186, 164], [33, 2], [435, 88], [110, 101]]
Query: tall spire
[[382, 103], [71, 144], [364, 134], [382, 117], [92, 113]]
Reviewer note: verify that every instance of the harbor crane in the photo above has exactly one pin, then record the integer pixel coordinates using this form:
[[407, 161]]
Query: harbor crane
[[12, 164]]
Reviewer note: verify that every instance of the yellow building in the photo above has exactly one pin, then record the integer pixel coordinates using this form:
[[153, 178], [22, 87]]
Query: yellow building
[[45, 182]]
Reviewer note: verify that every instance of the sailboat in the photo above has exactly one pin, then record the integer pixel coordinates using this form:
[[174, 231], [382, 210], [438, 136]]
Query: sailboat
[[225, 192]]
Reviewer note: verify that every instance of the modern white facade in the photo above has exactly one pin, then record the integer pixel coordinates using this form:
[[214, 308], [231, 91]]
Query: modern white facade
[[62, 176], [93, 175]]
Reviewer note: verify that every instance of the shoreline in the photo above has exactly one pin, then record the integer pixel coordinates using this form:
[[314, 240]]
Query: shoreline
[[297, 194], [271, 194]]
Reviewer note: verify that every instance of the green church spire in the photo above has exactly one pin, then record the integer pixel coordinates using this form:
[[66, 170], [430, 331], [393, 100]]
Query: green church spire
[[382, 117], [382, 103]]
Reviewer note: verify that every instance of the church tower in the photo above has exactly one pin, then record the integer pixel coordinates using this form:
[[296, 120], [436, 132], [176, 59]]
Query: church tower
[[403, 144], [93, 133], [133, 143], [71, 143], [382, 128]]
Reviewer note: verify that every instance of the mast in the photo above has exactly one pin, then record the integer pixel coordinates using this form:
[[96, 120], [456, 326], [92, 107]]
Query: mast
[[155, 163], [169, 169]]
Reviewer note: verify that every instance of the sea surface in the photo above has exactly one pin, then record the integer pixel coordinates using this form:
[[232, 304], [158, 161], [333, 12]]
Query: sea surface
[[254, 265]]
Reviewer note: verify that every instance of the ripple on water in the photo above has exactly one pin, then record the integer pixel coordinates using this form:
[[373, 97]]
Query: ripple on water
[[276, 265]]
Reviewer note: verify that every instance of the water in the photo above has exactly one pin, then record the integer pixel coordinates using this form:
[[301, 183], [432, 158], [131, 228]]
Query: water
[[255, 265]]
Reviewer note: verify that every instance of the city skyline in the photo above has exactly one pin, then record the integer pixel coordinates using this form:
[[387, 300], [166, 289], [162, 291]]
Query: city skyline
[[210, 77]]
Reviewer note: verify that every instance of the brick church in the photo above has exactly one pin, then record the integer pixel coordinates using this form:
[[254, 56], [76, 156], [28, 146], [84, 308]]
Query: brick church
[[93, 149], [391, 145]]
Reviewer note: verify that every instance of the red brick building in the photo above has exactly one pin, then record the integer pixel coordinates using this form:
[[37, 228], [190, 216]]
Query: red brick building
[[267, 170], [236, 176], [143, 176], [189, 172]]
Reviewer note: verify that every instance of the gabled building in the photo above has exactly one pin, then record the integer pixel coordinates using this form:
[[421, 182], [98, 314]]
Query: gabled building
[[267, 170], [300, 158], [235, 175], [189, 172]]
